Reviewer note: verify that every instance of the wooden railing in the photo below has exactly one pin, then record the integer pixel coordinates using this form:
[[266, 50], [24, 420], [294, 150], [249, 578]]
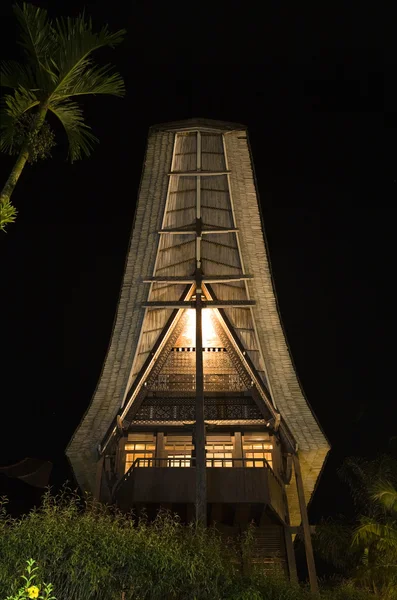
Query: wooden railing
[[186, 462]]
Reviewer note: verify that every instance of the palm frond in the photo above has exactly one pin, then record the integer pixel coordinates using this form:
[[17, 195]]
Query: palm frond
[[80, 138], [386, 494], [38, 38], [11, 110], [371, 531], [332, 541], [92, 80], [76, 42], [13, 75], [364, 476], [19, 102], [8, 213]]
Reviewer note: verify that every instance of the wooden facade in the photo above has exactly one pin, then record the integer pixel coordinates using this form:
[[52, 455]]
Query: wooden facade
[[198, 407]]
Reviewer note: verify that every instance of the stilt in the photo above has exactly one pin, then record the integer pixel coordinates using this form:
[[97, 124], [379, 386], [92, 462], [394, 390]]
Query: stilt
[[306, 527], [98, 478]]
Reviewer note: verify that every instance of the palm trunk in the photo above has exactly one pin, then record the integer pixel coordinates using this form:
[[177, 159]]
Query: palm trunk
[[15, 174], [6, 192]]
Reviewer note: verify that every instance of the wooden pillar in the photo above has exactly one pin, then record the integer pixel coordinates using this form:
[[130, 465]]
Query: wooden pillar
[[289, 546], [160, 449], [121, 456], [238, 449], [98, 478], [201, 476], [306, 527]]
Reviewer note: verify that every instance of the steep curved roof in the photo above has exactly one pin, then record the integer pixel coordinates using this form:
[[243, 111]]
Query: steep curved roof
[[166, 202]]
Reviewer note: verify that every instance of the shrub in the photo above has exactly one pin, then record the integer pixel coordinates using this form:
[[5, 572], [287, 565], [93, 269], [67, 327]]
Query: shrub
[[93, 552]]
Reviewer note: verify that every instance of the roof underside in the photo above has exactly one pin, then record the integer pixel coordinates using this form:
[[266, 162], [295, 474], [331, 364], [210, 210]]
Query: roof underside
[[167, 201]]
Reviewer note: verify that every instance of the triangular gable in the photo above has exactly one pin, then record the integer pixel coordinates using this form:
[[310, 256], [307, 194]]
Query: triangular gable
[[171, 382]]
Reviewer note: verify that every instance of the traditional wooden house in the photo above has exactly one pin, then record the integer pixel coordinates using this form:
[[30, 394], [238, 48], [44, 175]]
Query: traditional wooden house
[[198, 407]]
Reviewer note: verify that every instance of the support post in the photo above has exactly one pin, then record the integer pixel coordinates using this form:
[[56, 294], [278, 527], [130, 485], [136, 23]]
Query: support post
[[238, 448], [98, 478], [201, 476], [293, 575], [160, 449], [306, 527], [121, 456]]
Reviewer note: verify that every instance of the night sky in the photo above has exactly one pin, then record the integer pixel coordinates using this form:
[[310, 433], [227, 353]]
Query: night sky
[[317, 93]]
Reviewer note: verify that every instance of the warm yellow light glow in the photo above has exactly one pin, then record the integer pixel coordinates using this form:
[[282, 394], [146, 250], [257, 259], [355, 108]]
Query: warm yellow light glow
[[210, 339]]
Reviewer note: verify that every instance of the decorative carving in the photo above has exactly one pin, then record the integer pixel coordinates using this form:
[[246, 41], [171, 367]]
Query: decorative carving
[[183, 409]]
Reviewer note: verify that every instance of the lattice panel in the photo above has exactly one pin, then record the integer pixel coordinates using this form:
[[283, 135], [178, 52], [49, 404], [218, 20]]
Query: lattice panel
[[179, 372], [185, 382], [183, 409]]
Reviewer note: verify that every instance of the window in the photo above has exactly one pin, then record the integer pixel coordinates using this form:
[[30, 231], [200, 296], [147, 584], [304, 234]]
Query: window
[[219, 454], [179, 454], [256, 453], [142, 450]]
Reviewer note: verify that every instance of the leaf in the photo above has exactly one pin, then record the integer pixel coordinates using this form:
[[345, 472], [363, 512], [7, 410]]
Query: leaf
[[76, 42], [92, 80], [8, 213], [18, 103], [11, 110], [38, 39], [80, 138], [13, 75], [370, 531], [386, 494], [333, 541]]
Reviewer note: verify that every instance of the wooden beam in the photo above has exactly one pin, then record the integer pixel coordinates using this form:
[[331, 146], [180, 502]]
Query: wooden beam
[[306, 527], [197, 173], [199, 429], [298, 530], [201, 475], [293, 575], [184, 231], [219, 230], [207, 304], [177, 231], [169, 279], [206, 279]]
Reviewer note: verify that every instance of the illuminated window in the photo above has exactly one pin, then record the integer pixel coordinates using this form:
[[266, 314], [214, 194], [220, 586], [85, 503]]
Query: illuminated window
[[256, 453], [219, 454], [141, 450], [179, 454]]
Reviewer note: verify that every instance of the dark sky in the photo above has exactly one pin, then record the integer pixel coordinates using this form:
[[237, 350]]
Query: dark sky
[[316, 91]]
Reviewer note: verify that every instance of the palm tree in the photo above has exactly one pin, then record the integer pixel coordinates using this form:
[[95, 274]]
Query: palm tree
[[366, 550], [59, 68], [376, 537]]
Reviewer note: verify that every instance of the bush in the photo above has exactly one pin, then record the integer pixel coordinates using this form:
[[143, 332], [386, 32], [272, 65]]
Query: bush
[[92, 552]]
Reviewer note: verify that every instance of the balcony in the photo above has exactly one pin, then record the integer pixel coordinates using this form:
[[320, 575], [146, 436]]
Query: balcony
[[166, 481]]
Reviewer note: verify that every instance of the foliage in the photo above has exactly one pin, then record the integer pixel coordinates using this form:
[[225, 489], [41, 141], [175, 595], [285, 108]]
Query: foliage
[[58, 69], [93, 552], [366, 549], [29, 589], [8, 213]]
